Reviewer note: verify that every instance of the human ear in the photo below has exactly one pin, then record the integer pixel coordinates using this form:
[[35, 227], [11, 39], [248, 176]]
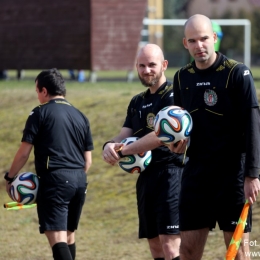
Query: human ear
[[165, 65], [184, 41], [45, 91], [215, 37]]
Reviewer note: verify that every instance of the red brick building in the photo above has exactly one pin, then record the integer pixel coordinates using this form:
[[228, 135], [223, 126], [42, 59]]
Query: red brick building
[[84, 34]]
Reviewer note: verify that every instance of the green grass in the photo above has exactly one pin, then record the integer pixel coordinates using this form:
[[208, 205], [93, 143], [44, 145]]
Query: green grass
[[109, 225]]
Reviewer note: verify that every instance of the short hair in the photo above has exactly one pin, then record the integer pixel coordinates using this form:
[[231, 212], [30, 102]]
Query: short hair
[[53, 81]]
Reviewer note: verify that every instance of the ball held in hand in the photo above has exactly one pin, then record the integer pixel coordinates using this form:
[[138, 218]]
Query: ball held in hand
[[24, 188], [135, 163], [172, 124]]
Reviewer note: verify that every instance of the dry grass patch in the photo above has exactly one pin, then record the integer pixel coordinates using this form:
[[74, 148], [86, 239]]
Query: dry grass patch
[[109, 223]]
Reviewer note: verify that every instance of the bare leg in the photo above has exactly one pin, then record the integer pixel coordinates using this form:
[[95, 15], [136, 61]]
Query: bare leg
[[156, 247], [56, 237], [170, 245], [193, 243], [70, 237], [58, 243], [243, 248]]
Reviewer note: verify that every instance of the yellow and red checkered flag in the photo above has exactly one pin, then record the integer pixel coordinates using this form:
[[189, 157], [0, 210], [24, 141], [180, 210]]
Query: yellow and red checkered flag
[[238, 233], [13, 205]]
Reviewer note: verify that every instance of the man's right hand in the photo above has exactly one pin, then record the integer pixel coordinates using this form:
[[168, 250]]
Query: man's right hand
[[179, 147], [109, 153]]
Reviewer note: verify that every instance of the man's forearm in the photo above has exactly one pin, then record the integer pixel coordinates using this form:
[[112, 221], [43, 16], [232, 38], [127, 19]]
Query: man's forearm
[[146, 143]]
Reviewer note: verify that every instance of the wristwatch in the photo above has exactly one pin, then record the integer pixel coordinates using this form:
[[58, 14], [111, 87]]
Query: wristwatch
[[110, 141], [8, 178]]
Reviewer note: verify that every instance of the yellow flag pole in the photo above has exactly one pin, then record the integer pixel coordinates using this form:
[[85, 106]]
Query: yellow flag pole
[[13, 205]]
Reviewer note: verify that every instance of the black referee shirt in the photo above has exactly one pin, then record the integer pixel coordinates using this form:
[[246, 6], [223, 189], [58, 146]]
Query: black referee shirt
[[140, 117], [60, 134], [224, 107]]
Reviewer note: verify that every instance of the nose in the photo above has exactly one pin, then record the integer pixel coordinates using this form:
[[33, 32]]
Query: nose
[[198, 44], [147, 69]]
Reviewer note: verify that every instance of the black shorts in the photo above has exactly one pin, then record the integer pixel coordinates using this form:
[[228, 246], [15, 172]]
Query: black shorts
[[60, 199], [213, 192], [158, 190]]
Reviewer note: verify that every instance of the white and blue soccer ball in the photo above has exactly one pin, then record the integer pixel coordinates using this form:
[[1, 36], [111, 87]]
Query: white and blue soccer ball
[[135, 163], [172, 123], [24, 188]]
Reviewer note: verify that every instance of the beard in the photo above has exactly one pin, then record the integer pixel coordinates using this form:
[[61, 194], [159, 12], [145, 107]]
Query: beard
[[151, 82]]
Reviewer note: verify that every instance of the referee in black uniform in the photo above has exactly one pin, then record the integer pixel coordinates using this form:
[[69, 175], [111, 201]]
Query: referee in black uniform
[[223, 165], [62, 141], [158, 185]]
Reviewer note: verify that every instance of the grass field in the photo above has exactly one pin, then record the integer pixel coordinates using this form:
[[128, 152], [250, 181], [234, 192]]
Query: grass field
[[109, 224]]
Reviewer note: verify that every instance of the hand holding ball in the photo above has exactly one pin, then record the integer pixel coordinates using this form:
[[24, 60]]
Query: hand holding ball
[[24, 188]]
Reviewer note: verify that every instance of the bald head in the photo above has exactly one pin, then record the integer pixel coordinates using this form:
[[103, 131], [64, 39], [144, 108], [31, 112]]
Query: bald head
[[150, 65], [151, 50], [199, 40], [198, 21]]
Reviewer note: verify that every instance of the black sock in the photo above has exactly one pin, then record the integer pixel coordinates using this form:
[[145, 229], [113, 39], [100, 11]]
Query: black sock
[[72, 248], [160, 258], [60, 251]]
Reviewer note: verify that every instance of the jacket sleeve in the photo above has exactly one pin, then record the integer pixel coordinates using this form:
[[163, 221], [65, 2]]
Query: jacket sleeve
[[243, 79], [252, 165], [176, 90]]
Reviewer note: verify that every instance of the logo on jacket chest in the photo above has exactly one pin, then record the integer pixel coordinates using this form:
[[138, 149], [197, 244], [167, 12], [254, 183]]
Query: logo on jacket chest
[[150, 119], [210, 97]]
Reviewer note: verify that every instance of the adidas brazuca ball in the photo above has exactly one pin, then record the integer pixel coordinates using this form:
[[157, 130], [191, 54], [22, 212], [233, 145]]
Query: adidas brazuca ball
[[135, 163], [24, 188], [172, 124]]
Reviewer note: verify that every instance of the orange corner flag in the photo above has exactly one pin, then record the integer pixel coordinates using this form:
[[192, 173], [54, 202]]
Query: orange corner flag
[[238, 233]]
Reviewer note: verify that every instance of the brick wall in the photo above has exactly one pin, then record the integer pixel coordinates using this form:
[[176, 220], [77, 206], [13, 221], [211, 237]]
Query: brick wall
[[82, 34], [116, 26], [42, 34]]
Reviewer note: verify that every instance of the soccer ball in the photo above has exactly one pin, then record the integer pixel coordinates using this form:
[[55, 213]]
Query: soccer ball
[[172, 124], [135, 163], [24, 188]]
